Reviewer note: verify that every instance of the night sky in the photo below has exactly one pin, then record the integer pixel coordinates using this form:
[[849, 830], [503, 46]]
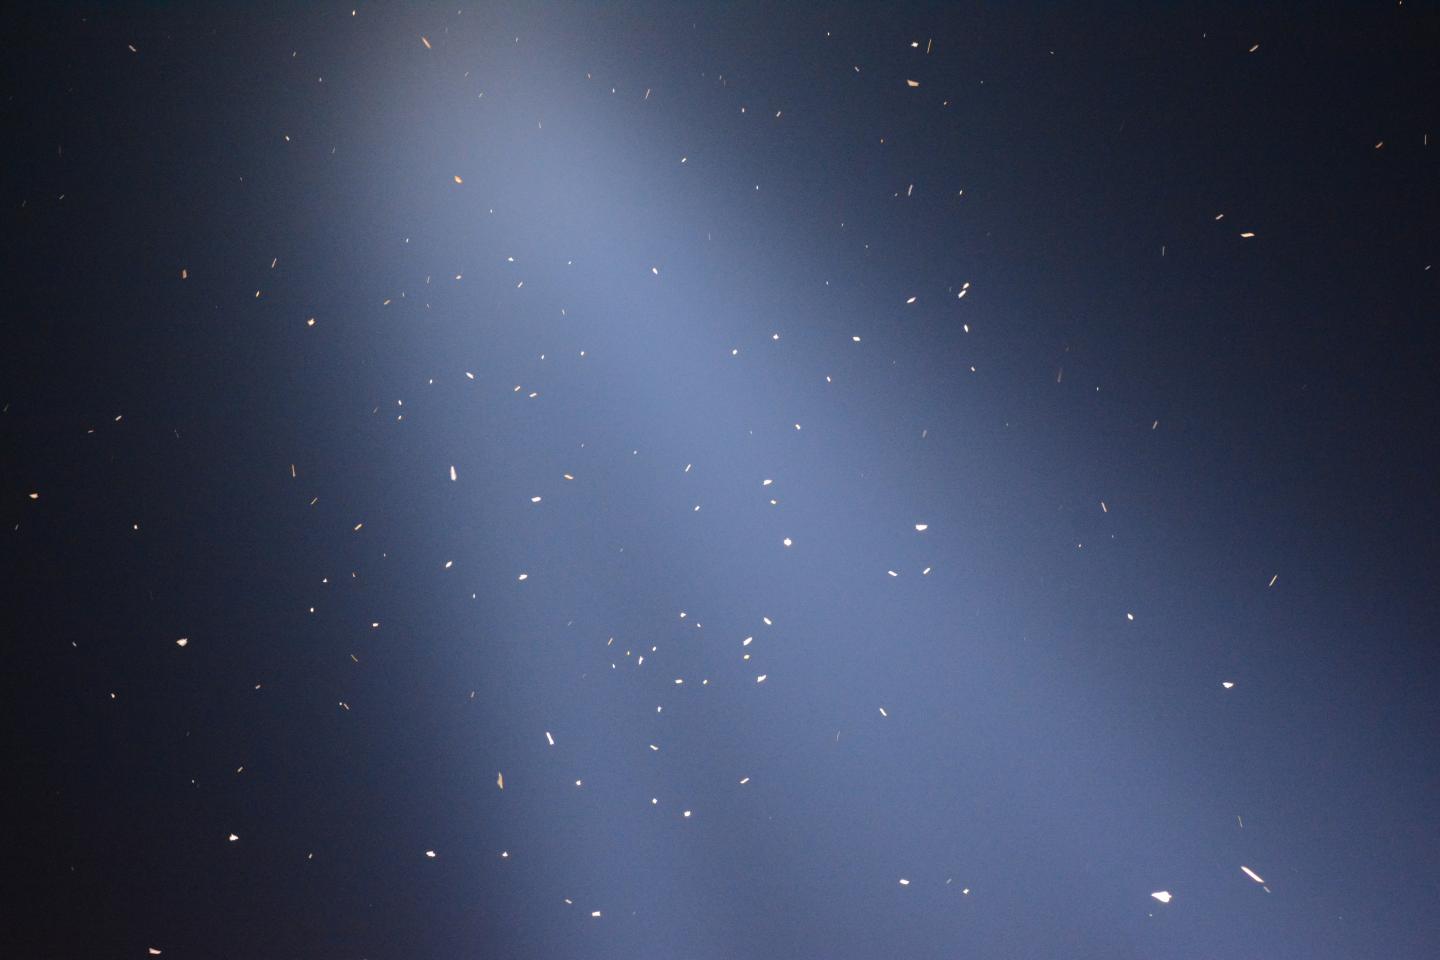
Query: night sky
[[721, 481]]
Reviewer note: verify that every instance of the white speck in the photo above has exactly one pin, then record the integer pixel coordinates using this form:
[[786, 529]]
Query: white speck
[[761, 678], [523, 576], [1252, 874], [1162, 895], [1227, 684], [430, 854], [183, 641], [788, 541], [549, 738], [452, 472], [233, 838], [921, 527], [883, 713], [904, 882], [1129, 616]]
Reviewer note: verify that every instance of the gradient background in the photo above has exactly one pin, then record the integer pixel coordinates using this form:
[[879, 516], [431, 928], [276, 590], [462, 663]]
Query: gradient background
[[1039, 749]]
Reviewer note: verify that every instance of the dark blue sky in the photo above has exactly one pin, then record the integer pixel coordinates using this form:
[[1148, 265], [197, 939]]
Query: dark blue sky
[[711, 308]]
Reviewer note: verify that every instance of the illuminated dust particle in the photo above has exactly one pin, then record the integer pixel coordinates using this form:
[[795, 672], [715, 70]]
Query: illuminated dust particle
[[549, 738], [788, 541], [430, 854], [183, 642], [448, 563], [523, 576], [426, 41], [1227, 684], [358, 526], [655, 271], [1247, 234], [153, 951], [594, 913], [233, 838], [892, 573], [1254, 48], [912, 83], [457, 179], [132, 48], [911, 300], [686, 814], [904, 882], [1272, 580], [1252, 874], [534, 499], [500, 780], [1162, 895], [761, 678], [883, 713], [744, 780], [1129, 616], [925, 572], [184, 274], [921, 527], [35, 495], [1103, 508]]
